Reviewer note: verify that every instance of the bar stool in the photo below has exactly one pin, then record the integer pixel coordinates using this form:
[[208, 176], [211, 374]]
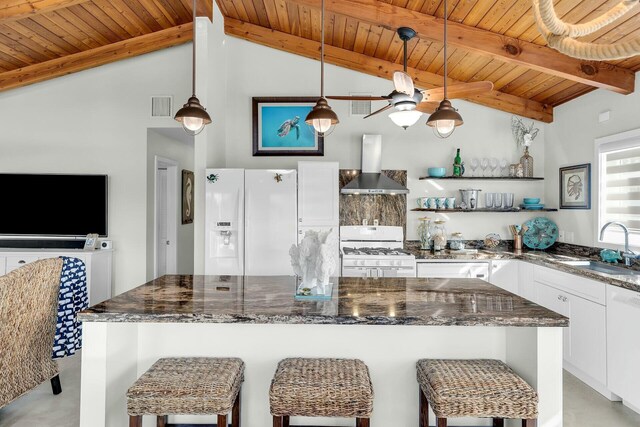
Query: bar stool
[[474, 388], [321, 388], [188, 386]]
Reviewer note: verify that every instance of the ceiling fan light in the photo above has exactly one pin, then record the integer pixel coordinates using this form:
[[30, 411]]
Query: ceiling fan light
[[193, 116], [404, 119], [322, 117], [445, 119]]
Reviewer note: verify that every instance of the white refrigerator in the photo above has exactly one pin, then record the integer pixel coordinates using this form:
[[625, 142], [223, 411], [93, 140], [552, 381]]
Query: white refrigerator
[[251, 221]]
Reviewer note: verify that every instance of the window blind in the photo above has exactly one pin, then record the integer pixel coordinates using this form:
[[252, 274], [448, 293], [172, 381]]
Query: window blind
[[621, 201]]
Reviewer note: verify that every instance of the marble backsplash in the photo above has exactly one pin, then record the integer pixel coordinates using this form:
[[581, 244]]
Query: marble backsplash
[[387, 209]]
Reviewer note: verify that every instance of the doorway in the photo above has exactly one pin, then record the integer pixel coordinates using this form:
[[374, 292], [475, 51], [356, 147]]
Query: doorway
[[165, 217]]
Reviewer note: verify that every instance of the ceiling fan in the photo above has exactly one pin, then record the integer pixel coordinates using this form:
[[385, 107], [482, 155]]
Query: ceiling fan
[[409, 103]]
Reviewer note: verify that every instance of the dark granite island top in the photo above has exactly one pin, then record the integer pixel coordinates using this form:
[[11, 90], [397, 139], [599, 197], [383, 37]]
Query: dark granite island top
[[270, 300]]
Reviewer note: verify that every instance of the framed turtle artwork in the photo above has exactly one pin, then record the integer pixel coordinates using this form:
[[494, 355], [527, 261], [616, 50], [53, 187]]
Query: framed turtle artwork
[[575, 187], [279, 128]]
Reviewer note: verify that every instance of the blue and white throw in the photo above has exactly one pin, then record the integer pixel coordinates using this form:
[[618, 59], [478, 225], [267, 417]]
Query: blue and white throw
[[73, 298]]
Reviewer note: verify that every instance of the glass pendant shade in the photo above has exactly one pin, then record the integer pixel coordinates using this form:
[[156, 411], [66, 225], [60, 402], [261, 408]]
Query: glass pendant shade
[[403, 83], [445, 119], [322, 117], [404, 119], [193, 116]]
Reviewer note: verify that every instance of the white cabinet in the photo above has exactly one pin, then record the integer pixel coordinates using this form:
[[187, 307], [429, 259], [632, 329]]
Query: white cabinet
[[526, 285], [318, 194], [505, 275], [17, 261], [98, 265], [585, 339], [445, 270], [623, 344]]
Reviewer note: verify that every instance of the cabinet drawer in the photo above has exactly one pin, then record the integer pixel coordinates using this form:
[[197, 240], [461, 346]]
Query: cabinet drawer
[[14, 262], [580, 286], [445, 270]]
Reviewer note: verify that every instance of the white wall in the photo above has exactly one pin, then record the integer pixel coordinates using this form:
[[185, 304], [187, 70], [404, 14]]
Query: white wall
[[570, 140], [255, 70], [96, 121], [173, 144]]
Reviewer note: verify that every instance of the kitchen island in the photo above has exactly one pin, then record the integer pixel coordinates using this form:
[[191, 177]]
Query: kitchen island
[[388, 323]]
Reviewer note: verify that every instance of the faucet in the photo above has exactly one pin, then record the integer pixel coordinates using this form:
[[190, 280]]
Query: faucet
[[628, 255]]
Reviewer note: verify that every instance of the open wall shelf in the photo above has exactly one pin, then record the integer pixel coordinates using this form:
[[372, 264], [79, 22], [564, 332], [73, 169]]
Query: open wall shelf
[[446, 211], [483, 178]]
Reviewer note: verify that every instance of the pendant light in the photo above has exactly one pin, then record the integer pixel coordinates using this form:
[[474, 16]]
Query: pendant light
[[193, 115], [322, 117], [446, 118]]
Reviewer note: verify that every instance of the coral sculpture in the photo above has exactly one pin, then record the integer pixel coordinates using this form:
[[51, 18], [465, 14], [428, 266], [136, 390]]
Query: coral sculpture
[[314, 260]]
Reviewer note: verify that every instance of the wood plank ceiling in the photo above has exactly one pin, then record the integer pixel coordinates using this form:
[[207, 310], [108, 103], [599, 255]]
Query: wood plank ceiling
[[489, 40]]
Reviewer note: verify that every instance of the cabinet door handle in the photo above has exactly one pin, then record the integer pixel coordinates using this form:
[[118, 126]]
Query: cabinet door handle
[[22, 261]]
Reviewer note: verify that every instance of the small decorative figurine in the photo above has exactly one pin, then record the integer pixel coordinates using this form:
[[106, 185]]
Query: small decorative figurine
[[212, 178], [609, 255]]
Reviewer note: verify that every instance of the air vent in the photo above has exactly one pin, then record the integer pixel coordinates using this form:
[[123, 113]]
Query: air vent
[[161, 106], [360, 108]]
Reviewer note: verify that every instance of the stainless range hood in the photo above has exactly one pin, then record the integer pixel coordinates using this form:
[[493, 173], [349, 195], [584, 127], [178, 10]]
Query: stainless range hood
[[371, 181]]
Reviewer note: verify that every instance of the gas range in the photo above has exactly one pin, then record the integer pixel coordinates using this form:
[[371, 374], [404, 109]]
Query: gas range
[[375, 252]]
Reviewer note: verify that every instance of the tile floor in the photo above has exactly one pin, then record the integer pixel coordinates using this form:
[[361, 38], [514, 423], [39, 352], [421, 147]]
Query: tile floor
[[583, 407]]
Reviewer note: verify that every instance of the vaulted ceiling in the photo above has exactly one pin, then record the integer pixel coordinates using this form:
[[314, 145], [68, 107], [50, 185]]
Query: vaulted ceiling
[[489, 40]]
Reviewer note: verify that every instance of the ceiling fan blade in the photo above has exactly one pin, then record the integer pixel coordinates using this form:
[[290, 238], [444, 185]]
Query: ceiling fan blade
[[379, 111], [403, 83], [461, 90], [427, 107], [359, 98]]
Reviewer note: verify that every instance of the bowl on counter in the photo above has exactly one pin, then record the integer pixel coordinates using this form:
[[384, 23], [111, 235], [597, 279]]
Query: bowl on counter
[[437, 172], [531, 200]]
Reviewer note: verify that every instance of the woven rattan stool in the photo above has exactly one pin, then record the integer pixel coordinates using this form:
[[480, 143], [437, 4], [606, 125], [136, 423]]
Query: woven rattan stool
[[321, 388], [474, 388], [188, 386]]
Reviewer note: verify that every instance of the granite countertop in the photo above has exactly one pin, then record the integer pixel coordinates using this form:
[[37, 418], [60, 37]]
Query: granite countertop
[[551, 259], [260, 300]]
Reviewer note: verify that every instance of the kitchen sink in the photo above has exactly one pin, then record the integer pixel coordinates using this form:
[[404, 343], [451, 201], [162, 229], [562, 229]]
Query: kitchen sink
[[600, 268]]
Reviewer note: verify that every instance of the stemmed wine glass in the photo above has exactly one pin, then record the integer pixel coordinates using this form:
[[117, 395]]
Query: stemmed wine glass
[[474, 165], [484, 164], [503, 167], [494, 165]]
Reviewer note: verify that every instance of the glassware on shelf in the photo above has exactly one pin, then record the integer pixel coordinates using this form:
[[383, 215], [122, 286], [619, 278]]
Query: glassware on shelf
[[423, 233], [507, 199], [484, 164], [513, 168], [488, 200], [497, 200], [494, 163], [503, 167], [475, 163], [438, 235], [527, 163], [456, 243]]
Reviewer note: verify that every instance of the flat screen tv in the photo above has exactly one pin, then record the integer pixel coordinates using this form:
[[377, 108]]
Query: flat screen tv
[[53, 205]]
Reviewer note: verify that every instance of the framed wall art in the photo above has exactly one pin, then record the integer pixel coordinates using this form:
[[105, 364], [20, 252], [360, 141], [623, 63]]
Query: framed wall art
[[575, 187], [279, 128], [187, 196]]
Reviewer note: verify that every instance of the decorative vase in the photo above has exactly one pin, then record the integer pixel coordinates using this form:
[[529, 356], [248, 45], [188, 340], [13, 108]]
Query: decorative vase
[[423, 234], [527, 163]]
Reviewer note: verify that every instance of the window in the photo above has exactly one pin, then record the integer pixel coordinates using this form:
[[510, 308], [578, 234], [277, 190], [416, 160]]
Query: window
[[618, 159]]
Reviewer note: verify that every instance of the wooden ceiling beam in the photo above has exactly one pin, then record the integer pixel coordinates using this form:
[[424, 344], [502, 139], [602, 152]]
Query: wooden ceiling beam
[[94, 57], [28, 8], [378, 67], [497, 46], [205, 8]]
